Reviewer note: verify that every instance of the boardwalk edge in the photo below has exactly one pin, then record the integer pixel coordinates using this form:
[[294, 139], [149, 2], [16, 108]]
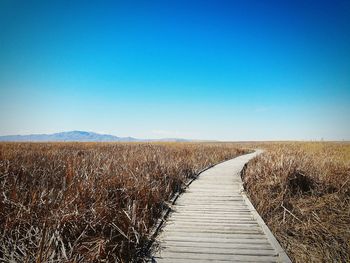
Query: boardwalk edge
[[283, 257]]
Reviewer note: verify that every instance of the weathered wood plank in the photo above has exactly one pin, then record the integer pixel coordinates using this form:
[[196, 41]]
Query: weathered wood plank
[[216, 235], [264, 246], [207, 256], [215, 240], [194, 228], [222, 251], [200, 260], [212, 220], [215, 230]]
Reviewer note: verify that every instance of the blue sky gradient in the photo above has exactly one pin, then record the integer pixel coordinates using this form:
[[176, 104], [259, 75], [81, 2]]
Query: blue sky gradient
[[225, 70]]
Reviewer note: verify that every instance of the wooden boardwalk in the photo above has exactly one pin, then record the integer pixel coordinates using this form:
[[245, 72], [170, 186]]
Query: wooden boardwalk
[[213, 221]]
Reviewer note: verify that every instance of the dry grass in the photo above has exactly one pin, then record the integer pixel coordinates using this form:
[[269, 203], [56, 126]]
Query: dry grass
[[302, 191], [76, 202], [95, 202]]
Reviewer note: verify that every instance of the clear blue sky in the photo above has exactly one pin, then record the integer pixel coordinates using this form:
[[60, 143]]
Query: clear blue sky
[[226, 70]]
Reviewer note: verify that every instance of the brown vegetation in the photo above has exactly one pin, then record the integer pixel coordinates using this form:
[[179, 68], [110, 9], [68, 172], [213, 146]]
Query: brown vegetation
[[302, 191], [76, 202], [95, 202]]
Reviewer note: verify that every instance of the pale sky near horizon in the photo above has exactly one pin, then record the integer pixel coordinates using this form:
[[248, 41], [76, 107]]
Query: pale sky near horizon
[[221, 70]]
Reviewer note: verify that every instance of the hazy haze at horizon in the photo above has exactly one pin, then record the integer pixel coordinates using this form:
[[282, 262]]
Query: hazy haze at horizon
[[221, 70]]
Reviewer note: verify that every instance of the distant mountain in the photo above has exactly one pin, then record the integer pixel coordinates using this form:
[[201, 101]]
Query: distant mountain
[[77, 136]]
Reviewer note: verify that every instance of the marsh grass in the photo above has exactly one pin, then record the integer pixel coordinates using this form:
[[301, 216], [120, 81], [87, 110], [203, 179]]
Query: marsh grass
[[302, 191], [91, 202]]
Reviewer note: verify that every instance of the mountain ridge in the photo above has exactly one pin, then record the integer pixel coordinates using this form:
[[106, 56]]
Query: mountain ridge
[[78, 136]]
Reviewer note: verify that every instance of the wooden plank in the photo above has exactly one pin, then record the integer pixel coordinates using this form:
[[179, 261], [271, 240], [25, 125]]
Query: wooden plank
[[213, 224], [226, 235], [188, 227], [264, 246], [200, 260], [223, 217], [212, 211], [213, 214], [211, 202], [222, 251], [231, 221], [216, 198], [188, 209], [207, 256], [216, 230], [209, 206], [214, 240]]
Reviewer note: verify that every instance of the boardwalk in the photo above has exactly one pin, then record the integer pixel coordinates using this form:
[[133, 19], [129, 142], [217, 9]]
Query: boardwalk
[[213, 221]]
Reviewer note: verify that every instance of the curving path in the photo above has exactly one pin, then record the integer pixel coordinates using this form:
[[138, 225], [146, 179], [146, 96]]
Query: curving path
[[214, 221]]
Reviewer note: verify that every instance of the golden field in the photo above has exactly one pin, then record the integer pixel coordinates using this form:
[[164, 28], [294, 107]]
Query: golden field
[[99, 202]]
